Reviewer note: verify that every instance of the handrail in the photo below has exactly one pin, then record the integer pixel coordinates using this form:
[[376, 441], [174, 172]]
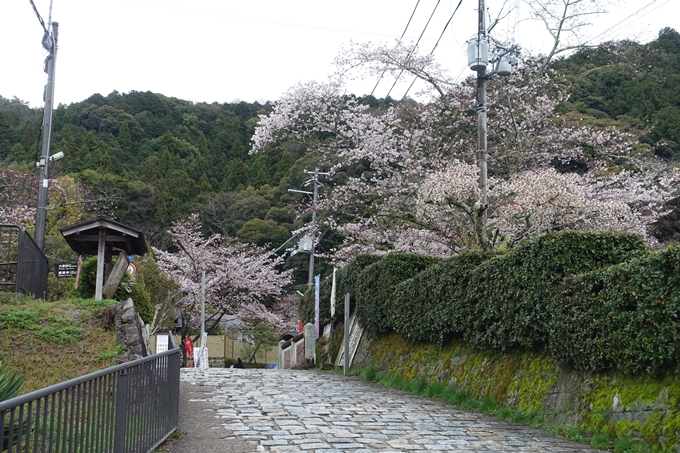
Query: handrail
[[131, 407], [41, 393]]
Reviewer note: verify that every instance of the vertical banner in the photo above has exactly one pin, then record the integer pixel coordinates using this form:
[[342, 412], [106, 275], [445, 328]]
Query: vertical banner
[[317, 285], [189, 346], [333, 295]]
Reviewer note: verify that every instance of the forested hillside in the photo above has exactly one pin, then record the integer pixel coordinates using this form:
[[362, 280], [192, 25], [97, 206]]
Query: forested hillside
[[149, 160]]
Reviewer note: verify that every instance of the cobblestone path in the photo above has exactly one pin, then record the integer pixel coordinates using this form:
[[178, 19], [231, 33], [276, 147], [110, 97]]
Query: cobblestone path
[[306, 411]]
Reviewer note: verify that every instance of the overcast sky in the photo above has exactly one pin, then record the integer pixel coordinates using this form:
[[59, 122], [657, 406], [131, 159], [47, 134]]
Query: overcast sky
[[251, 50]]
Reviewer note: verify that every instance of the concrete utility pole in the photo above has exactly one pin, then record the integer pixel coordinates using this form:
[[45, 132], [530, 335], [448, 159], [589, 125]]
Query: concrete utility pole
[[481, 110], [50, 44], [315, 198]]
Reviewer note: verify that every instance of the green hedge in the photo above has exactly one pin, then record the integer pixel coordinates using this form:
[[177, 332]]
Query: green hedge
[[624, 317], [429, 307], [375, 288], [509, 295], [345, 278]]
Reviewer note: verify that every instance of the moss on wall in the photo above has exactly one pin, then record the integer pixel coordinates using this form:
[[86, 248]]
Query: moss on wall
[[614, 403]]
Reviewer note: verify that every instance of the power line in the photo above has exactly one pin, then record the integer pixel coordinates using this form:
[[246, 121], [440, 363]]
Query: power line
[[40, 19], [414, 47], [400, 38], [632, 15], [436, 44], [254, 20]]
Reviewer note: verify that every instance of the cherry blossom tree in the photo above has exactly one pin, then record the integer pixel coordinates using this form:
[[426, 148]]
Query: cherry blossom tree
[[566, 22], [238, 277], [408, 177]]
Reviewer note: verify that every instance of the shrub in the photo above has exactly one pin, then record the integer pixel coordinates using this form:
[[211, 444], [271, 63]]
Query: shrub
[[345, 282], [428, 306], [140, 297], [508, 296], [375, 288], [87, 283], [624, 317]]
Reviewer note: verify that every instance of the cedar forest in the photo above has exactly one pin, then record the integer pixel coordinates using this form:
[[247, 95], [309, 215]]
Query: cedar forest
[[598, 132]]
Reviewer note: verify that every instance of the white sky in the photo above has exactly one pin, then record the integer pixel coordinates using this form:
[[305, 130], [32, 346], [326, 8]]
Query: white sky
[[250, 50]]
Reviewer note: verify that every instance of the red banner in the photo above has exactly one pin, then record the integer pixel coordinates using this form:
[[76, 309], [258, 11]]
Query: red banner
[[189, 346]]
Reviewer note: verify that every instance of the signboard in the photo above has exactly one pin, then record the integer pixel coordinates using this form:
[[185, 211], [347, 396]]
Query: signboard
[[67, 270], [131, 270], [161, 342], [203, 359]]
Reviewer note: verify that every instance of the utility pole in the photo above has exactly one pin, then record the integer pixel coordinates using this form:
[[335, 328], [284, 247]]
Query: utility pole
[[315, 198], [502, 61], [50, 44], [481, 108]]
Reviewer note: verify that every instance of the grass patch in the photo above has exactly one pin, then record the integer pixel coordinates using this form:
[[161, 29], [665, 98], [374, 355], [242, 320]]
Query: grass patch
[[623, 444], [417, 386], [600, 441], [94, 305], [369, 373], [117, 350], [434, 390], [51, 342], [573, 433]]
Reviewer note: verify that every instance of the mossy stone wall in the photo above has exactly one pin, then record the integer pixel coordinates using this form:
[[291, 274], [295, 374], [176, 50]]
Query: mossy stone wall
[[614, 403]]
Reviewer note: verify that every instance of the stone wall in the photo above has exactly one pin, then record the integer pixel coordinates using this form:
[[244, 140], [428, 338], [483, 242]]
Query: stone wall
[[613, 403], [130, 331]]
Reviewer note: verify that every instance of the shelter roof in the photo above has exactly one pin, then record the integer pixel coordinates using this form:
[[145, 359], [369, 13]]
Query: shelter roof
[[83, 237]]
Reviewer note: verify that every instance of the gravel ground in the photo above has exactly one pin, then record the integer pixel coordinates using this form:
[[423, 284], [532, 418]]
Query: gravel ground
[[199, 427]]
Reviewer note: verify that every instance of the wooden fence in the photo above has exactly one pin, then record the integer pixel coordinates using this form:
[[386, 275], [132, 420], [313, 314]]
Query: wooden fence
[[222, 347]]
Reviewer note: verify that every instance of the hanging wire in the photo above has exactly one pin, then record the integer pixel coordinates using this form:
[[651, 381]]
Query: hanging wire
[[604, 33], [40, 19], [414, 47], [400, 38], [435, 46]]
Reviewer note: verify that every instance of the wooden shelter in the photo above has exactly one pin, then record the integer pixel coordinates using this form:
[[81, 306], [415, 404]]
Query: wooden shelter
[[102, 236]]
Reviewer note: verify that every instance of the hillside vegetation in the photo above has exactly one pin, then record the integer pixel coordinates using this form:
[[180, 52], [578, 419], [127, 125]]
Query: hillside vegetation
[[51, 342]]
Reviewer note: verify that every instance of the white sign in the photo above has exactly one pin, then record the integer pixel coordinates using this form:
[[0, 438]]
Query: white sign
[[203, 362], [161, 343]]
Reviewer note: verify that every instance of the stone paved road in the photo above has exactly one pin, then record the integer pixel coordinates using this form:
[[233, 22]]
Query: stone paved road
[[306, 411]]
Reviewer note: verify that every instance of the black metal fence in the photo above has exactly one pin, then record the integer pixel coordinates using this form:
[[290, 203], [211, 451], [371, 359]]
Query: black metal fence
[[127, 408], [23, 266]]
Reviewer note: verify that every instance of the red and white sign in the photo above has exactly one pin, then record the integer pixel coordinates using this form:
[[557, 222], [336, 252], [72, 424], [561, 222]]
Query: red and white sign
[[132, 269], [189, 346], [161, 342]]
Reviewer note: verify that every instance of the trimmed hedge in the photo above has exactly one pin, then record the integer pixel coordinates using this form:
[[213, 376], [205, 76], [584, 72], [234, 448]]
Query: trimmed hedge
[[624, 317], [509, 296], [345, 278], [375, 288], [429, 307]]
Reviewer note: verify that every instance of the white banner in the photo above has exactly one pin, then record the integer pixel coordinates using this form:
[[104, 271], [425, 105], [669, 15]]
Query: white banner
[[333, 295]]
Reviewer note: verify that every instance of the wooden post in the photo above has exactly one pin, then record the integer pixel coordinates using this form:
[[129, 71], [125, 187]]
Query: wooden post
[[101, 250]]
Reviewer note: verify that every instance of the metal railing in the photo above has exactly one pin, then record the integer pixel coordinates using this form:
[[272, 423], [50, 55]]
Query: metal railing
[[127, 408], [23, 266]]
